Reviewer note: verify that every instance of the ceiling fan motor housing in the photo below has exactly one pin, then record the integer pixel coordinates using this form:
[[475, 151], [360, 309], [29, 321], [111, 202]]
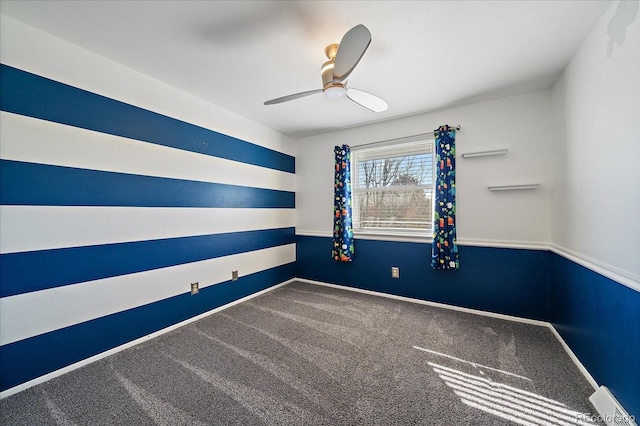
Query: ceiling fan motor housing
[[327, 68], [327, 73], [331, 89]]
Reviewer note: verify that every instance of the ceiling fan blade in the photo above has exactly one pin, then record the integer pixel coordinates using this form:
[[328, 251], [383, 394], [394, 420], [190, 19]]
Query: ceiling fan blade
[[352, 47], [292, 97], [367, 100]]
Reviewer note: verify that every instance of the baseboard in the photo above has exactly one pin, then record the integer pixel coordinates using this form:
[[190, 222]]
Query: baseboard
[[574, 358], [132, 343], [426, 302], [550, 326]]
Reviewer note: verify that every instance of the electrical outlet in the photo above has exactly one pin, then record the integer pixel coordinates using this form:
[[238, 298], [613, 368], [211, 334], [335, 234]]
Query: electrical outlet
[[234, 275], [395, 272], [195, 288]]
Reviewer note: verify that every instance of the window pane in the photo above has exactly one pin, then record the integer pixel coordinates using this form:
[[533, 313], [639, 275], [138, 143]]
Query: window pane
[[394, 208], [395, 171]]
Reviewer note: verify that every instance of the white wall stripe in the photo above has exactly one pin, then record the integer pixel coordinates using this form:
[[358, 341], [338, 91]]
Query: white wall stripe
[[27, 228], [40, 141], [30, 314]]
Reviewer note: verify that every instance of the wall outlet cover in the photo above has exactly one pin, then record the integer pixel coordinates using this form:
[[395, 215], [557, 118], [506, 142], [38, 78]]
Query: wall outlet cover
[[395, 272]]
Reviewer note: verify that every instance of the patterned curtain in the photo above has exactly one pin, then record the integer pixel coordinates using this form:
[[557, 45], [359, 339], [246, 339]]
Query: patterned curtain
[[444, 254], [342, 232]]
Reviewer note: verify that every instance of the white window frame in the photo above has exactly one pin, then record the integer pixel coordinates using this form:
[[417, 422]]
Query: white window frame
[[419, 142]]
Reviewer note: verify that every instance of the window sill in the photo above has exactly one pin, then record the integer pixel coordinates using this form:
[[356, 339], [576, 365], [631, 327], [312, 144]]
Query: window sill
[[380, 236], [393, 236]]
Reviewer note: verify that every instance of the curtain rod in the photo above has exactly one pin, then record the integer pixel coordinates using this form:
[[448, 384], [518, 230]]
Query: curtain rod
[[456, 127], [404, 138]]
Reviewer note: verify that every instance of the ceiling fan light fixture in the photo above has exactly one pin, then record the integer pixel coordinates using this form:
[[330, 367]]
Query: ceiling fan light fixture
[[335, 91]]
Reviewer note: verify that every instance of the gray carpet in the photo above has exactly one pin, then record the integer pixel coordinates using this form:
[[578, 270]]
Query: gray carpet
[[311, 355]]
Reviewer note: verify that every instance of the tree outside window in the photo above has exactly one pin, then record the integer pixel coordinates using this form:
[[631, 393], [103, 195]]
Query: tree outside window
[[393, 189]]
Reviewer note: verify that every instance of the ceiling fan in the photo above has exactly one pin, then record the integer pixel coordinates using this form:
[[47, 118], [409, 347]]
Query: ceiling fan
[[343, 58]]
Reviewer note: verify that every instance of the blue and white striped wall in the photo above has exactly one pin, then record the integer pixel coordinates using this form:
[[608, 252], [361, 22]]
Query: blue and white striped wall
[[109, 211]]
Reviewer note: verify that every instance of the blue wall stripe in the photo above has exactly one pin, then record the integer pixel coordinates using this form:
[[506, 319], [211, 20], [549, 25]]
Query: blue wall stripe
[[31, 358], [600, 320], [38, 270], [35, 96], [506, 281], [24, 183]]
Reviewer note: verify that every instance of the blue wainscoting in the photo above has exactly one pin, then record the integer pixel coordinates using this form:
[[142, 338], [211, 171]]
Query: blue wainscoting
[[30, 358], [507, 281], [600, 320]]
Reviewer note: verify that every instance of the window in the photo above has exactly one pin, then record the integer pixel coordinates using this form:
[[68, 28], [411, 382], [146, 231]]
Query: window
[[392, 188]]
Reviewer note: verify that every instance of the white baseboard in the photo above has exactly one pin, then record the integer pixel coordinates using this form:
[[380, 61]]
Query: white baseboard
[[132, 343], [574, 358], [426, 302]]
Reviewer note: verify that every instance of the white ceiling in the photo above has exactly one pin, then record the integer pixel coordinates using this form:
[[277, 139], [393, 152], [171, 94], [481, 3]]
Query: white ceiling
[[424, 55]]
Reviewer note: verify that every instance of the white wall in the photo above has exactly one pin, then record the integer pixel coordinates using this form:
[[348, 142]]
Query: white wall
[[596, 202], [520, 123]]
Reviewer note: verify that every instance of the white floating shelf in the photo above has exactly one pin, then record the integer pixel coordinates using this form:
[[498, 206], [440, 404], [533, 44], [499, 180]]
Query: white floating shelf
[[485, 153], [514, 187]]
